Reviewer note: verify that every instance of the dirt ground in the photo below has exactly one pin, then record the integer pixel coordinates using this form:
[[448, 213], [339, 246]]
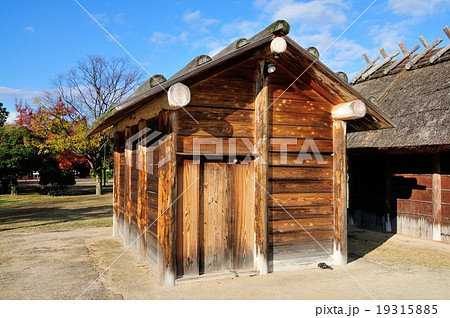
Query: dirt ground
[[59, 257]]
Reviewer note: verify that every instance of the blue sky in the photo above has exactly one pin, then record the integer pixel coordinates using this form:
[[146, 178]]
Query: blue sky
[[41, 39]]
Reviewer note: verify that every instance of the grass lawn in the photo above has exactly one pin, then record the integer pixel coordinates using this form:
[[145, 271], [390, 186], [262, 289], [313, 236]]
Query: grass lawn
[[36, 212]]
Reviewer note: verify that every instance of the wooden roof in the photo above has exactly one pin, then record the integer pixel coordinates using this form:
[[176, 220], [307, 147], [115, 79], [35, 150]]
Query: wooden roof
[[320, 77]]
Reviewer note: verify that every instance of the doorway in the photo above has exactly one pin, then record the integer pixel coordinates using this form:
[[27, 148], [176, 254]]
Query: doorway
[[215, 217]]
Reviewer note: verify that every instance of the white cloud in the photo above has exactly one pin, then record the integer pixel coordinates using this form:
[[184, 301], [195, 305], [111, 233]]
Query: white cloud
[[8, 93], [12, 117], [243, 28], [311, 14], [29, 29], [388, 35], [163, 38], [418, 8], [188, 17], [339, 56]]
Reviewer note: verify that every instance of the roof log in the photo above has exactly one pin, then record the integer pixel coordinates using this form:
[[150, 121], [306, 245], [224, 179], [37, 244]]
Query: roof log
[[441, 52], [427, 49], [349, 110]]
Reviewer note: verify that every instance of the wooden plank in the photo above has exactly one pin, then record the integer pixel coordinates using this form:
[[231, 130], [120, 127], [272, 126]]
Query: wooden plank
[[213, 145], [243, 238], [437, 197], [296, 145], [300, 173], [277, 213], [167, 195], [215, 128], [340, 192], [289, 118], [292, 159], [289, 225], [300, 199], [299, 106], [210, 114], [188, 212], [297, 238], [261, 169], [217, 253], [282, 186], [298, 131]]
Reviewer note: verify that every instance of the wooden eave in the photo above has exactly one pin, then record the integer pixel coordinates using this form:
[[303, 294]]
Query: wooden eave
[[318, 76]]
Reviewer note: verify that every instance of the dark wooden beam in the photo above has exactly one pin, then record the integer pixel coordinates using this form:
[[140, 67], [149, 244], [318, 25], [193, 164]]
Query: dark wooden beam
[[261, 145], [388, 193], [340, 192], [167, 185]]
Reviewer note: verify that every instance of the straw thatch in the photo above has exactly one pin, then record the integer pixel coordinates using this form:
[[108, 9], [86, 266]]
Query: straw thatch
[[417, 101]]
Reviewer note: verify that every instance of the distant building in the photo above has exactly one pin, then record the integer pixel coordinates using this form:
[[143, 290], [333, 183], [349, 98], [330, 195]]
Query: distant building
[[399, 178]]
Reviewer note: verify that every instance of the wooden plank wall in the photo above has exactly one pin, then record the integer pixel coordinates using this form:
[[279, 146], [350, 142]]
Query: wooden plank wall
[[223, 106], [305, 190], [136, 194]]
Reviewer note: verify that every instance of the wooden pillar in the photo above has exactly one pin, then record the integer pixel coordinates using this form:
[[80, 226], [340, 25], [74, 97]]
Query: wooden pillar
[[388, 194], [261, 169], [127, 189], [116, 185], [340, 192], [167, 185], [142, 202], [437, 197]]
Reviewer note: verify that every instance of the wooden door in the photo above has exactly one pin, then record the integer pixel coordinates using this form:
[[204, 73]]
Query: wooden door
[[215, 220]]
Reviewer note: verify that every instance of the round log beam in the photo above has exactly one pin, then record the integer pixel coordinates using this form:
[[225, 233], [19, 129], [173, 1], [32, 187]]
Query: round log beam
[[349, 110], [178, 95]]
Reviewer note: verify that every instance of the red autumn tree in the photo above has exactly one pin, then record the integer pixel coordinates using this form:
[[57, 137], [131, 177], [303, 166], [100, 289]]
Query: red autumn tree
[[80, 97]]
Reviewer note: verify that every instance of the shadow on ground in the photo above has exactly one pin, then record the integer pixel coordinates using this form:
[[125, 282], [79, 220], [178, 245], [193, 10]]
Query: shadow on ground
[[361, 242]]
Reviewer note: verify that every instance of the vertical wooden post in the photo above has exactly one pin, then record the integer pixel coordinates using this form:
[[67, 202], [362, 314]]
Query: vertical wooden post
[[116, 193], [340, 192], [388, 193], [127, 189], [167, 185], [437, 197], [261, 170], [142, 202]]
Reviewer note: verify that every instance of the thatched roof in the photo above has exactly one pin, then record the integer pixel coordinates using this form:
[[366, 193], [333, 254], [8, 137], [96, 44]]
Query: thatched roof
[[417, 100]]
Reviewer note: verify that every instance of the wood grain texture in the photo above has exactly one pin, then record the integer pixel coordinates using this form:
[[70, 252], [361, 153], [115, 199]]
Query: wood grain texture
[[166, 196], [188, 218], [340, 191], [261, 169], [217, 249], [243, 238]]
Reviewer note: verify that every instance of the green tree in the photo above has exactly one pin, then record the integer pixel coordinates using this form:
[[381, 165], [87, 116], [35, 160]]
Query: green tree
[[17, 155], [3, 115]]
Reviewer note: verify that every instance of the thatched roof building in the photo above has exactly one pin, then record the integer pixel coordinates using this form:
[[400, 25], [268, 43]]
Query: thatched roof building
[[400, 177], [417, 101]]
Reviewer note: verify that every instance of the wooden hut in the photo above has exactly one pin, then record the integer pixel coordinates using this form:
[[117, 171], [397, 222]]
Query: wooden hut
[[400, 178], [261, 211]]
